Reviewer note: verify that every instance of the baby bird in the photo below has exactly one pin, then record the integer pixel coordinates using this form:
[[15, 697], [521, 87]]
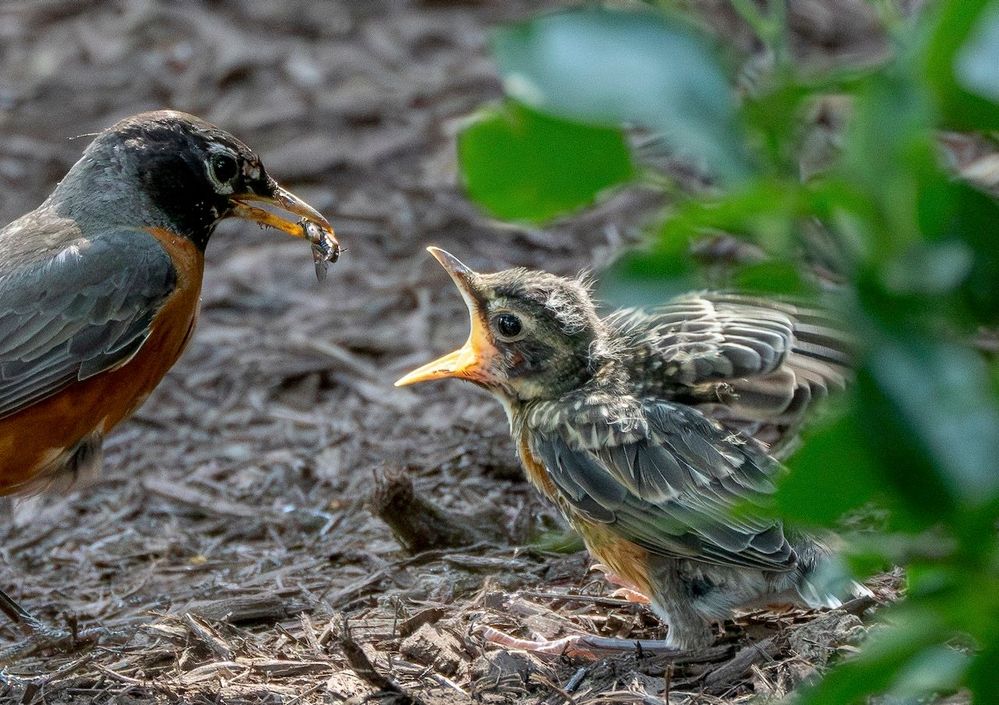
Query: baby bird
[[641, 428]]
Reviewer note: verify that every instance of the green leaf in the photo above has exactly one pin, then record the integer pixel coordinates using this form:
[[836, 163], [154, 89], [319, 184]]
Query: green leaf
[[522, 165], [928, 269], [935, 669], [962, 42], [559, 541], [904, 461], [831, 474], [968, 220], [649, 277], [765, 210], [612, 67], [977, 67], [780, 278], [937, 420], [982, 674], [894, 121]]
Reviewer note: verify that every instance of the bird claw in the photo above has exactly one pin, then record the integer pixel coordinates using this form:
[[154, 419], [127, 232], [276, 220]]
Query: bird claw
[[41, 636], [626, 589], [630, 595]]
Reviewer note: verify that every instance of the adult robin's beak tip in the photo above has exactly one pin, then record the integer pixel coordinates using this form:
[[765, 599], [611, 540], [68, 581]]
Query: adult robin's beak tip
[[321, 233]]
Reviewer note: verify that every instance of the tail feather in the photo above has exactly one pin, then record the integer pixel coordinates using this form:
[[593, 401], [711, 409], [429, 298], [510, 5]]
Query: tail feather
[[827, 585]]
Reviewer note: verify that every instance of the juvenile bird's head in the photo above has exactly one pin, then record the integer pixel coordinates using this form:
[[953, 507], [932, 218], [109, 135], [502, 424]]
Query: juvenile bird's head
[[533, 335], [172, 170]]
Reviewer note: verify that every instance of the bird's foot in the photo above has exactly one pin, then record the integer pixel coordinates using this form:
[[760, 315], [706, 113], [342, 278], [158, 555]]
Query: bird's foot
[[47, 638], [582, 646], [40, 636], [630, 595], [626, 589]]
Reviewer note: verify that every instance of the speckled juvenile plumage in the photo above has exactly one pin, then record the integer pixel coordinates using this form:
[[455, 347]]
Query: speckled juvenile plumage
[[664, 477], [755, 365], [639, 428]]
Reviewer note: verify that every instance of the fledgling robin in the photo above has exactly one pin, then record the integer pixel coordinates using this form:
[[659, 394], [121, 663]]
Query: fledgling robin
[[611, 420], [99, 285]]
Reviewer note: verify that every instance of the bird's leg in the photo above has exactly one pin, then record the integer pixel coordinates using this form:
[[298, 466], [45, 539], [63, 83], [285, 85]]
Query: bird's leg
[[40, 635], [583, 646], [27, 622]]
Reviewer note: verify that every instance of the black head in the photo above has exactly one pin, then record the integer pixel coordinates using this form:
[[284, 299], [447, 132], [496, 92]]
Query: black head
[[172, 170], [533, 335]]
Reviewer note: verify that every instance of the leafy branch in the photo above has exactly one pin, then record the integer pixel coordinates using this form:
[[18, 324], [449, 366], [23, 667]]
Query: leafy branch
[[909, 251]]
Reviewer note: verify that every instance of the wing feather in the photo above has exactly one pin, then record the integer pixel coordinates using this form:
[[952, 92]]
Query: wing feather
[[671, 490], [756, 365], [86, 309]]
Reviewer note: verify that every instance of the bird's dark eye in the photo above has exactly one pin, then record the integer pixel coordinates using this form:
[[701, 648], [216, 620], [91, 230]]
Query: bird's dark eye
[[507, 325], [224, 168]]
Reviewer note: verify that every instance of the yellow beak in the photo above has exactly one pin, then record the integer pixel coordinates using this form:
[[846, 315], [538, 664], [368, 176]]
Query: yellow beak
[[325, 240], [468, 361]]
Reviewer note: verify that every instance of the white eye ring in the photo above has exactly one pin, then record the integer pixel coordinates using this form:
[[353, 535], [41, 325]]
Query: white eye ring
[[220, 163]]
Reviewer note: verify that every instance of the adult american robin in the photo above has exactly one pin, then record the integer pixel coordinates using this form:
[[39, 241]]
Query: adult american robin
[[634, 425], [99, 285]]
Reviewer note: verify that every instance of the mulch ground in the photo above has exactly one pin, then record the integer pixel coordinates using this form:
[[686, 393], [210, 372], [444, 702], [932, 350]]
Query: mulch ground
[[231, 549]]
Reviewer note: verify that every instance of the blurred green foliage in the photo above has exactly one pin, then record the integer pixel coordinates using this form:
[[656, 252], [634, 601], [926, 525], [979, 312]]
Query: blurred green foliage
[[525, 165], [914, 252]]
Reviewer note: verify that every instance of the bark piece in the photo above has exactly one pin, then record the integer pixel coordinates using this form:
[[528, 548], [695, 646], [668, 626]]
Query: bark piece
[[417, 523], [432, 646]]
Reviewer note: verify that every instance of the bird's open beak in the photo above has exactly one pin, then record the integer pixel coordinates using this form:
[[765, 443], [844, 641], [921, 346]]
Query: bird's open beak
[[470, 360], [283, 200]]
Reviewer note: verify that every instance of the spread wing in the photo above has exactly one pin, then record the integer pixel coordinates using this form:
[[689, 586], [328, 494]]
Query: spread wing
[[668, 485], [84, 310], [757, 365]]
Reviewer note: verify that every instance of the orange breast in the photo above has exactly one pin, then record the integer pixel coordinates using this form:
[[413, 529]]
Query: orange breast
[[626, 560], [535, 469], [31, 439]]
